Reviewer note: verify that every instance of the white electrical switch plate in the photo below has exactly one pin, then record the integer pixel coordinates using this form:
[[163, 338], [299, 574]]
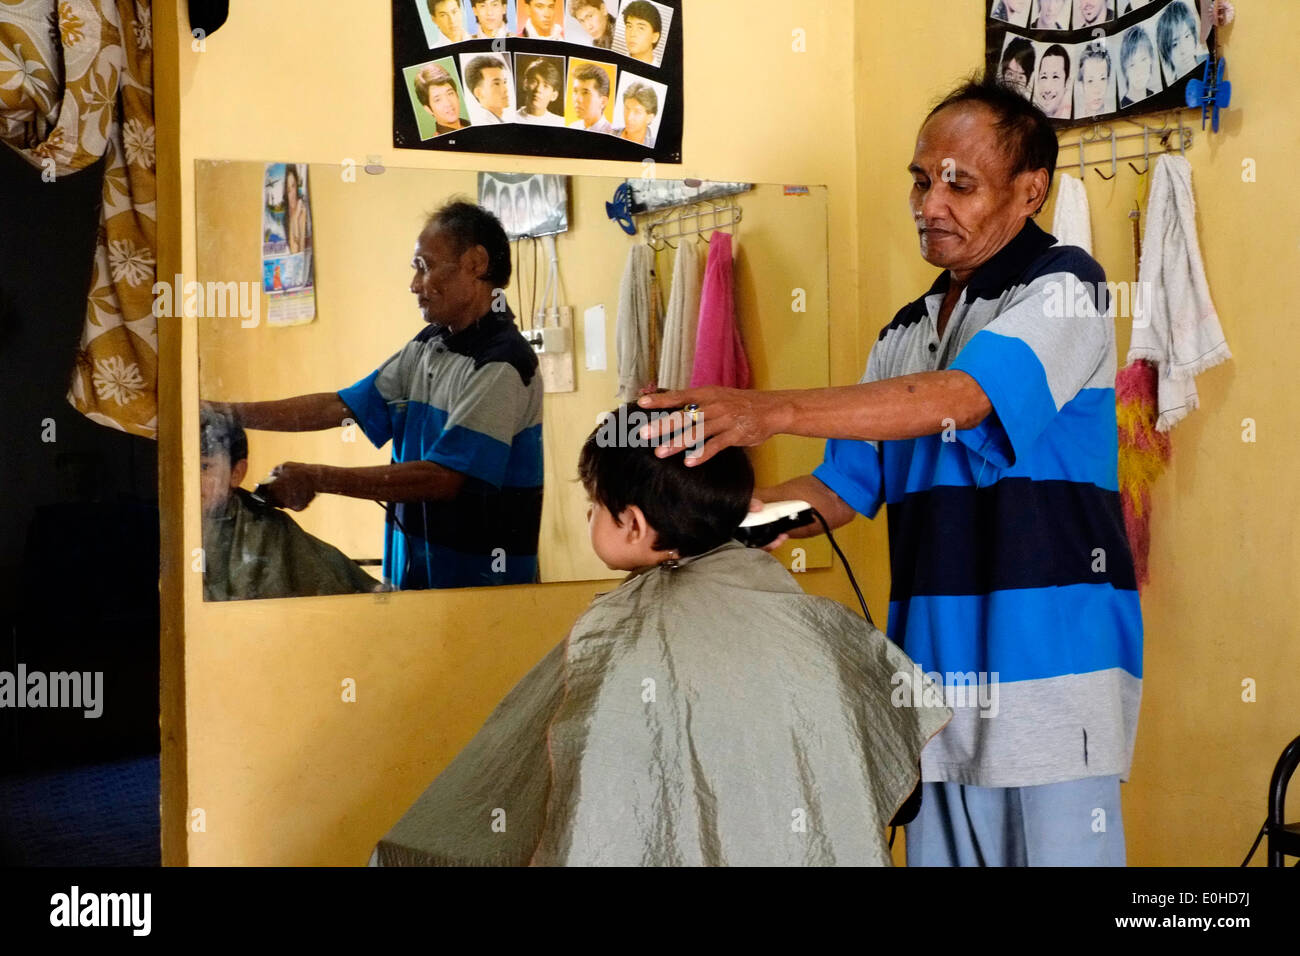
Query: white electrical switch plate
[[594, 335]]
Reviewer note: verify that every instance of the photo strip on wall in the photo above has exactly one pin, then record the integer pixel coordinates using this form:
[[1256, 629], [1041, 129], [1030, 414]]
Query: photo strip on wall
[[1083, 61], [529, 205], [585, 79]]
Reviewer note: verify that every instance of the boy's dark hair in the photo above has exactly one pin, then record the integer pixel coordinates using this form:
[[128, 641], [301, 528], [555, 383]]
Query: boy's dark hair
[[220, 435], [692, 509], [1031, 140]]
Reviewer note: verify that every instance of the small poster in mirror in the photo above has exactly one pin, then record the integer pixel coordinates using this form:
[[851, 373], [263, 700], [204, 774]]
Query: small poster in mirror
[[287, 276], [528, 205]]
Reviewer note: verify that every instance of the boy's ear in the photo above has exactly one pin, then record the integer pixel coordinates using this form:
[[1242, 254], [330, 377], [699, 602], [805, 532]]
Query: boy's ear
[[238, 472], [637, 528]]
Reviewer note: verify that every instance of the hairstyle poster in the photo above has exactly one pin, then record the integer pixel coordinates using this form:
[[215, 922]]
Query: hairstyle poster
[[287, 276], [1084, 61], [586, 79], [528, 205]]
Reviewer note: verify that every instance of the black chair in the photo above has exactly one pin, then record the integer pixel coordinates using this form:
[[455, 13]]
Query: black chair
[[1283, 838]]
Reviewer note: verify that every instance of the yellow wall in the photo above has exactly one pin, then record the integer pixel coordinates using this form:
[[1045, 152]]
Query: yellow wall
[[288, 774], [284, 771], [1222, 605]]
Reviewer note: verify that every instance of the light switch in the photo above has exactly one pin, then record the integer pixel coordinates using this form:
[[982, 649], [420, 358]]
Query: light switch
[[594, 336]]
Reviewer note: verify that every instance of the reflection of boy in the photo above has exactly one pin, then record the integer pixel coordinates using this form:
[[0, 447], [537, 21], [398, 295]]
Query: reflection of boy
[[251, 550], [641, 27], [590, 94], [491, 17], [640, 107], [596, 20], [436, 91], [485, 76], [449, 20], [543, 82], [541, 22], [727, 661]]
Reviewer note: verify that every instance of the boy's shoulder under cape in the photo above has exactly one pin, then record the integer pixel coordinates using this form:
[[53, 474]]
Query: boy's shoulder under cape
[[705, 714], [256, 551]]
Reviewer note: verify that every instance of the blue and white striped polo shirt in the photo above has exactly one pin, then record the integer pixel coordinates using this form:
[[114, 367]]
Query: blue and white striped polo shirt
[[472, 402], [1007, 546]]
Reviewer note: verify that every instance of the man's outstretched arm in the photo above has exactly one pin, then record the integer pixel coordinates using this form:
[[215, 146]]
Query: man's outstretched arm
[[303, 413], [923, 403], [295, 484]]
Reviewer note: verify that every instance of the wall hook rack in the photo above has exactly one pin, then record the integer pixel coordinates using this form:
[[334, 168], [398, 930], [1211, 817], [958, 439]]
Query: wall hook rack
[[697, 219], [1170, 135]]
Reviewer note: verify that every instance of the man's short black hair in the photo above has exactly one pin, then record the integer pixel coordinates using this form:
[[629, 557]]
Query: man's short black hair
[[692, 509], [644, 10], [474, 71], [590, 73], [220, 435], [1027, 132], [469, 224], [1057, 50]]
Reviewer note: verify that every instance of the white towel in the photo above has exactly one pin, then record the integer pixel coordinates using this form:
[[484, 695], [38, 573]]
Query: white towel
[[1175, 326], [632, 332], [1072, 223], [677, 357]]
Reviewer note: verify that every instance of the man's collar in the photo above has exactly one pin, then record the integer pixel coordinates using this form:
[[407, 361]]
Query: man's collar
[[1009, 263], [486, 324]]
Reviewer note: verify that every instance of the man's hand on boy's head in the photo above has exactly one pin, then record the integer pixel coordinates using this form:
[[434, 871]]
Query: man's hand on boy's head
[[291, 485], [722, 417], [220, 408]]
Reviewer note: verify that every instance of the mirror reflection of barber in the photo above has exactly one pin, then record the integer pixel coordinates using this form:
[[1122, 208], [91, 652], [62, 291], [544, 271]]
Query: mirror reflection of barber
[[462, 405]]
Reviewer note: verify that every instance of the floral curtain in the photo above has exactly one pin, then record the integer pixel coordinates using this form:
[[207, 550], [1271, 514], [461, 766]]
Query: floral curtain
[[76, 83]]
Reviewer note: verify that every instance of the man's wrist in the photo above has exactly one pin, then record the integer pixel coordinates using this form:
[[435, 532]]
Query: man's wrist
[[318, 477], [780, 413]]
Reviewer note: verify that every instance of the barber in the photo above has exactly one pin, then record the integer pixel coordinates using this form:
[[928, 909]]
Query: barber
[[985, 422], [462, 405]]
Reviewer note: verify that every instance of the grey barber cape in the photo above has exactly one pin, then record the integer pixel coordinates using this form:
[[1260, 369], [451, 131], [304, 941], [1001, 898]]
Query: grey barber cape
[[706, 713]]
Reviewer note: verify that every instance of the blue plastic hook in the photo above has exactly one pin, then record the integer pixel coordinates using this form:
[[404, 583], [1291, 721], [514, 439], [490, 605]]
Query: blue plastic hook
[[620, 210], [1211, 93]]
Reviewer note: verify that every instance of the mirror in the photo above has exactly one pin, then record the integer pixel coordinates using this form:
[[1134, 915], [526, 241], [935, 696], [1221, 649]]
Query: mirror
[[362, 227]]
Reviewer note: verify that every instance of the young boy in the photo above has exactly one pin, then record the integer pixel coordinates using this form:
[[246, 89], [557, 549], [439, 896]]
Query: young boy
[[704, 712], [250, 549]]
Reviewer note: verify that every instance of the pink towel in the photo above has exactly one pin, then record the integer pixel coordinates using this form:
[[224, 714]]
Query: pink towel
[[719, 355]]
